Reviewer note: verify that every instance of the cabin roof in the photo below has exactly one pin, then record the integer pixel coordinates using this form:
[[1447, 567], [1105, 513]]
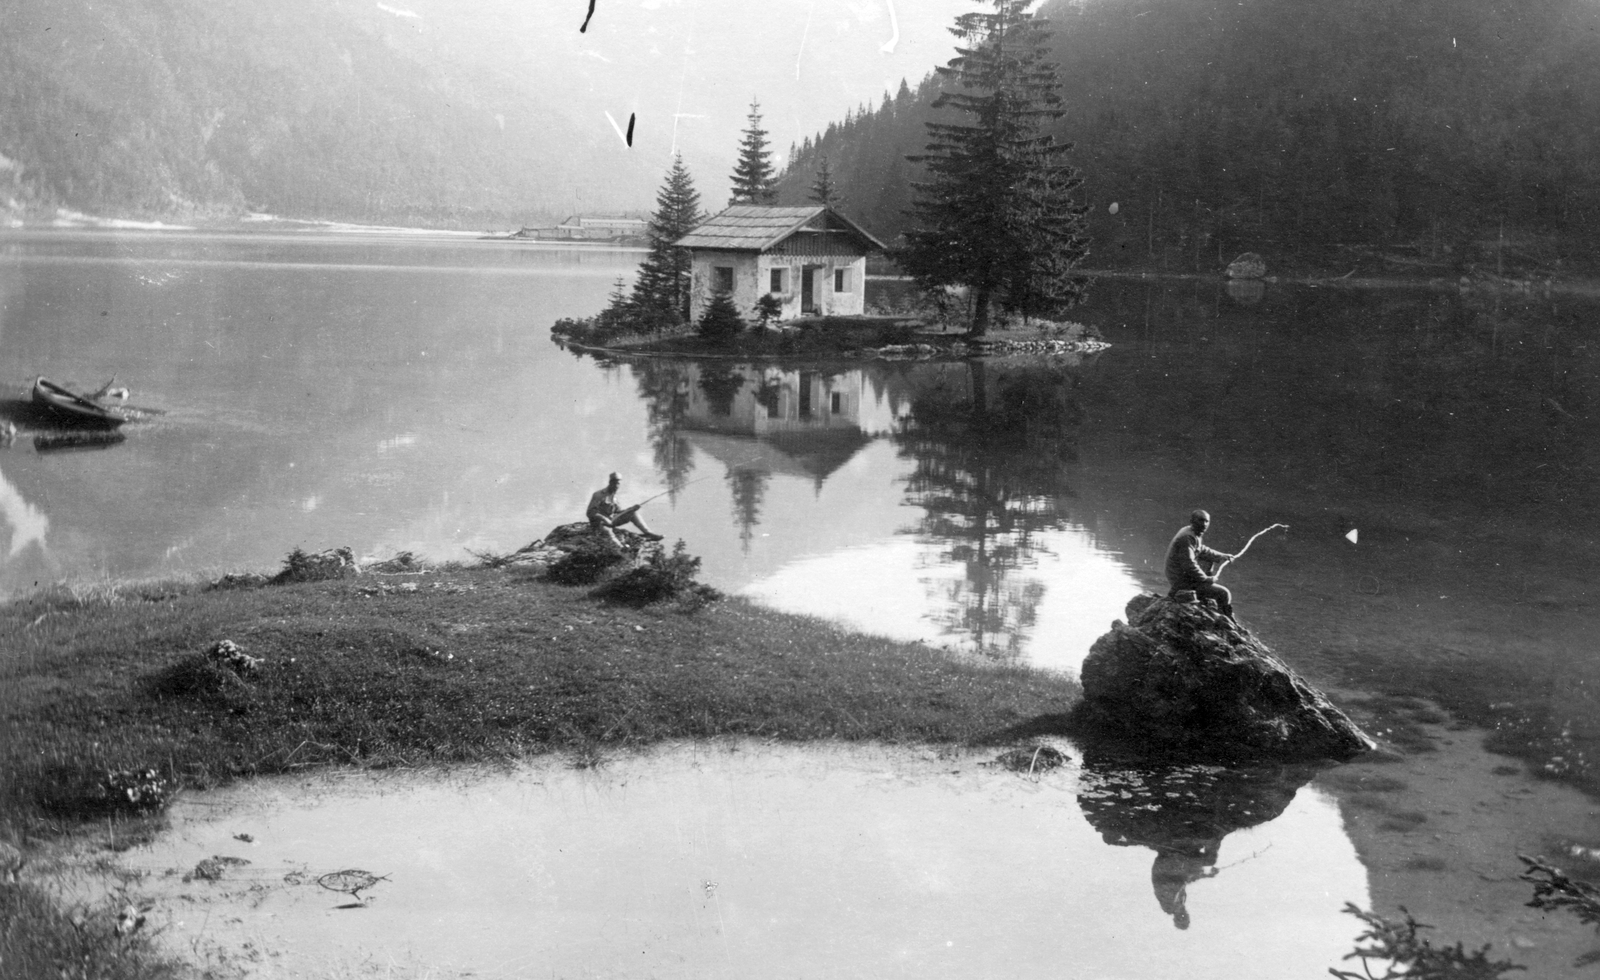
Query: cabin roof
[[760, 227]]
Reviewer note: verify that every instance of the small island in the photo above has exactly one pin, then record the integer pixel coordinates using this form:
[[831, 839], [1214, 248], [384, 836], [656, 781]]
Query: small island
[[991, 267], [765, 281]]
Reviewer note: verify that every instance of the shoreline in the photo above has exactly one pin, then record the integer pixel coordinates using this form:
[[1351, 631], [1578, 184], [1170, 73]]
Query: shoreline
[[444, 665], [448, 667]]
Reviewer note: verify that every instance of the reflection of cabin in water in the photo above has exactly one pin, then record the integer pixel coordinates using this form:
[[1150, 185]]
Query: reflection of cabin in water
[[813, 259], [808, 422]]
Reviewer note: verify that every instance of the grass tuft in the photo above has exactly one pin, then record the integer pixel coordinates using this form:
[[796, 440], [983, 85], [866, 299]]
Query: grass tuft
[[661, 578], [583, 567], [38, 938], [301, 566]]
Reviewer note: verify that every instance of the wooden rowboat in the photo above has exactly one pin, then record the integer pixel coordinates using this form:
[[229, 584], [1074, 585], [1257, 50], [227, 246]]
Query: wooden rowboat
[[72, 408]]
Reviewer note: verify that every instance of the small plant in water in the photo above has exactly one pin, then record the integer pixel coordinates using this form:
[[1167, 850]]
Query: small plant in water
[[1396, 947]]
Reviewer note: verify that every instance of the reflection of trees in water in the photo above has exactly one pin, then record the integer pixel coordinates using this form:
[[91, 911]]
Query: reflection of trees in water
[[990, 443], [1183, 813], [664, 389], [1390, 395], [747, 485], [721, 384]]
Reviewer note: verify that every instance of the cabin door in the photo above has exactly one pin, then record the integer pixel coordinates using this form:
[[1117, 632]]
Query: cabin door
[[808, 285]]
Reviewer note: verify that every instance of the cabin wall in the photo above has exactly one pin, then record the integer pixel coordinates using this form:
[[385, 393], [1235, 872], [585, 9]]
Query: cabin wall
[[702, 285], [752, 279], [825, 300]]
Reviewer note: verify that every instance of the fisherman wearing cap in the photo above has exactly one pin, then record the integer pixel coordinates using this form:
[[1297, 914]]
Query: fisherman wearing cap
[[604, 514]]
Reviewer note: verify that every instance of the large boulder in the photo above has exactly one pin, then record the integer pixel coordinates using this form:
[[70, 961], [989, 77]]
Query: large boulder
[[1180, 679], [1248, 265], [582, 537], [578, 554]]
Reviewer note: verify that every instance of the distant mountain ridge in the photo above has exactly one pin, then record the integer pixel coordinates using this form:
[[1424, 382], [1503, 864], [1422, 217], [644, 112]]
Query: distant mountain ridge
[[467, 113], [197, 108], [1459, 132]]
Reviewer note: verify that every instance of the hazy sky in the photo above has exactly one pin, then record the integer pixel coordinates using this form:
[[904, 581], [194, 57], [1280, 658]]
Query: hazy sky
[[688, 68]]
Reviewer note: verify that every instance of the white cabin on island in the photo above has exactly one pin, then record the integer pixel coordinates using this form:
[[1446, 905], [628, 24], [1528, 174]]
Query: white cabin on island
[[813, 259]]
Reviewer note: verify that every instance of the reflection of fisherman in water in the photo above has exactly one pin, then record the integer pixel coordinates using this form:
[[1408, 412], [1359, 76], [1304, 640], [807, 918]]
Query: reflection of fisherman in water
[[1175, 868], [1183, 813]]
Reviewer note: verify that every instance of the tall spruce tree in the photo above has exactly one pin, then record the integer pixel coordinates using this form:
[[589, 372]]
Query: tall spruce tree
[[823, 190], [997, 212], [661, 292], [753, 175]]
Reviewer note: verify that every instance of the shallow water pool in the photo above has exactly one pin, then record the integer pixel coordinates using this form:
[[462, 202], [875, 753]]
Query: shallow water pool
[[764, 860]]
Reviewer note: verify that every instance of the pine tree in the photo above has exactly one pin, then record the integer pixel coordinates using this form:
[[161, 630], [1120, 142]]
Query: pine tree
[[661, 292], [822, 189], [753, 176], [720, 320], [903, 97], [997, 212]]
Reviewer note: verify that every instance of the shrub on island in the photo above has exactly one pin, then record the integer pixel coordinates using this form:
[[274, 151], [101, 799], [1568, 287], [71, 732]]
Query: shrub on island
[[721, 320]]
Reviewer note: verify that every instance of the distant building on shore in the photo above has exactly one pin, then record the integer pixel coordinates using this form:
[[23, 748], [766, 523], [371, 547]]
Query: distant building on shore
[[585, 228], [813, 259], [603, 228]]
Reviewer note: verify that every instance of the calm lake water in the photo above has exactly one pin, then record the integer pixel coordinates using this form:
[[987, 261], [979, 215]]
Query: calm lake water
[[1434, 454], [749, 860]]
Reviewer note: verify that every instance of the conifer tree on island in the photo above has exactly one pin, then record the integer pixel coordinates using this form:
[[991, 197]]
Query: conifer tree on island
[[753, 175], [661, 292], [823, 190], [997, 212]]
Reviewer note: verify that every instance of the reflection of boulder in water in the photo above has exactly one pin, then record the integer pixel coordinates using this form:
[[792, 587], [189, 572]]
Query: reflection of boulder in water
[[1247, 292], [1181, 681], [1182, 813]]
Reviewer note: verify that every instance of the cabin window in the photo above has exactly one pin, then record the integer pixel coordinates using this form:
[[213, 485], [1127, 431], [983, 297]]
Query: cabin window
[[834, 402], [722, 278], [777, 280], [841, 280]]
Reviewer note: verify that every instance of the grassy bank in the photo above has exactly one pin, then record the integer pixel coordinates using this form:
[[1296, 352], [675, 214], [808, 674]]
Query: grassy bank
[[109, 702], [438, 667]]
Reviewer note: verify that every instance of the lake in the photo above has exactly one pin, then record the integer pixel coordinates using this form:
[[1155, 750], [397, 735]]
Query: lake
[[1434, 454]]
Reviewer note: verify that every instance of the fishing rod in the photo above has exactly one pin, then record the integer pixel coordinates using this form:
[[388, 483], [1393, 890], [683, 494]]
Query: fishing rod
[[1240, 553], [697, 479]]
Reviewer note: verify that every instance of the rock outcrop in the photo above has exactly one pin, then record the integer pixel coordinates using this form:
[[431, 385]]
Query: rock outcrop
[[577, 554], [1179, 679], [579, 537]]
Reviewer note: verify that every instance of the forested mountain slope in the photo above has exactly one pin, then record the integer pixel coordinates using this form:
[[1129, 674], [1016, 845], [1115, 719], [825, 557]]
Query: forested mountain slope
[[1309, 131], [304, 107], [471, 112]]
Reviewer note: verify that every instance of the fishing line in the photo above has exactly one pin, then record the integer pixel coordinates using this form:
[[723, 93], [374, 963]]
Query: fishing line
[[697, 479]]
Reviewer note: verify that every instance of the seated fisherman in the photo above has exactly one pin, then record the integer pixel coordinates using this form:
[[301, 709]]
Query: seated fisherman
[[1184, 555], [604, 514]]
